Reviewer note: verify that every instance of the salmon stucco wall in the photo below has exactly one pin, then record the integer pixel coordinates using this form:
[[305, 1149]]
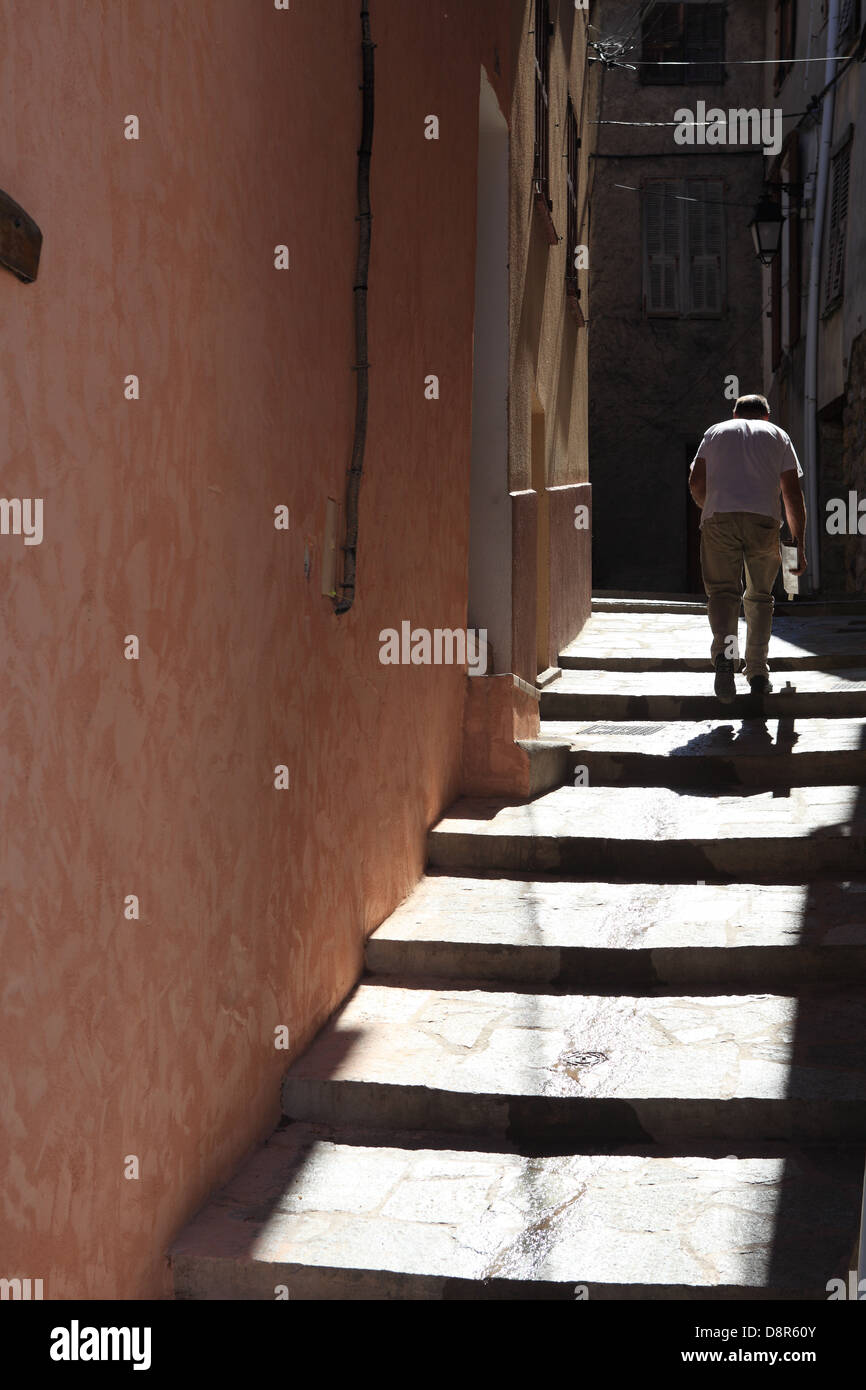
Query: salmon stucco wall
[[139, 1050]]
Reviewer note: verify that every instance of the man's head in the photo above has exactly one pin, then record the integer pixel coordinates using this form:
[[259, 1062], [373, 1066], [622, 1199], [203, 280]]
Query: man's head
[[752, 408]]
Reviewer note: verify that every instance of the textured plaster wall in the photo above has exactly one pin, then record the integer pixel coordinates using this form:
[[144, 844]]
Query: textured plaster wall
[[155, 1037]]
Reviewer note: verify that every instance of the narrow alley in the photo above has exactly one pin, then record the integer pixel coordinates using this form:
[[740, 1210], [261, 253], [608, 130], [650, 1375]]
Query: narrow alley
[[609, 1047]]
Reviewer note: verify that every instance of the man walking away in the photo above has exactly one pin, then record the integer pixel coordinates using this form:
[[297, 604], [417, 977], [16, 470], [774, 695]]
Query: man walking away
[[735, 479]]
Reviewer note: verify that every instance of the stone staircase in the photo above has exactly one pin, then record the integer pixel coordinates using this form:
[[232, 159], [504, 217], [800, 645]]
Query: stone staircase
[[613, 1044]]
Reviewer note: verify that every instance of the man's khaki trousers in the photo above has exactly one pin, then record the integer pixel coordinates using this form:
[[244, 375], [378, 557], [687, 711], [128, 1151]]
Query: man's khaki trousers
[[730, 540]]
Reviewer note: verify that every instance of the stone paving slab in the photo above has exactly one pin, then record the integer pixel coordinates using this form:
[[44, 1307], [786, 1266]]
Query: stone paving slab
[[673, 641], [574, 1066], [660, 695], [655, 832], [588, 934], [710, 753], [333, 1218]]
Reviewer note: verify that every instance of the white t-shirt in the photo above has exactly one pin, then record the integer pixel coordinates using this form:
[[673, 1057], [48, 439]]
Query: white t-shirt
[[745, 460]]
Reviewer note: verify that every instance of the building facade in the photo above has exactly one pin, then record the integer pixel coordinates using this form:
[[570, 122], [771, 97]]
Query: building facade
[[815, 340], [675, 303]]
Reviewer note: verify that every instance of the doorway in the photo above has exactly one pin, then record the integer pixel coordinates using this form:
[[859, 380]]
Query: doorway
[[490, 562], [542, 552]]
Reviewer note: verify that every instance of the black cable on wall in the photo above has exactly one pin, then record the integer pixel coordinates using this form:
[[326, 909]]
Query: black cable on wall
[[353, 474]]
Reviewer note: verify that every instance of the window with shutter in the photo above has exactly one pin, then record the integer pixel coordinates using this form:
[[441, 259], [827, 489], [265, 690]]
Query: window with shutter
[[542, 100], [795, 240], [705, 43], [684, 248], [683, 43], [706, 226], [662, 41], [838, 226], [786, 39], [662, 249]]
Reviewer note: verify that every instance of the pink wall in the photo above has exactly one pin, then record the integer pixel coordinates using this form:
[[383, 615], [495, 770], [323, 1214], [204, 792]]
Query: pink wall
[[155, 1037]]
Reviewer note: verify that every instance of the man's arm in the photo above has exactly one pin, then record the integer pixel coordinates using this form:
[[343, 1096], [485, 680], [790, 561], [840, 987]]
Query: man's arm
[[698, 481], [795, 511]]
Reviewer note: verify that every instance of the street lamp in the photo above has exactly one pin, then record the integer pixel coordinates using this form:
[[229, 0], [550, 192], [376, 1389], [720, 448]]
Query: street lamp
[[766, 227]]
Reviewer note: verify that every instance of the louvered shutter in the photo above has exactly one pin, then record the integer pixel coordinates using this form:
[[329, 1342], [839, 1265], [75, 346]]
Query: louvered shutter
[[838, 224], [662, 220], [706, 231], [705, 43], [663, 39]]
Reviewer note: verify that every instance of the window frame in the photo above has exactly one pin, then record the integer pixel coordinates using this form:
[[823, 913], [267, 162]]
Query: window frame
[[541, 80], [684, 257], [837, 240]]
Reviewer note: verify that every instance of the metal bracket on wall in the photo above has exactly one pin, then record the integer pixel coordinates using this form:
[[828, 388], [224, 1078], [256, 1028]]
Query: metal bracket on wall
[[20, 240]]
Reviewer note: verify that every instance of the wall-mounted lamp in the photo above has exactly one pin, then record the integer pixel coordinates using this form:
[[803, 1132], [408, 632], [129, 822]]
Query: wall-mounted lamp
[[766, 224], [766, 228]]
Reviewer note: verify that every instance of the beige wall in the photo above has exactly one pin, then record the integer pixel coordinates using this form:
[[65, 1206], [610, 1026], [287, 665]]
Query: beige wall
[[549, 351], [154, 1037]]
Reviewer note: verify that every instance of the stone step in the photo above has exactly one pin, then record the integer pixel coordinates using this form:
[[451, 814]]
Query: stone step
[[326, 1216], [716, 753], [658, 603], [567, 1070], [612, 602], [680, 641], [573, 660], [645, 937], [661, 695], [658, 833]]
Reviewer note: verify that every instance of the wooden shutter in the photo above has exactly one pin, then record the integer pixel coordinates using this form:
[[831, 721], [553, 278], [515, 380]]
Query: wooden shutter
[[662, 249], [706, 230], [705, 43], [662, 40], [786, 21], [838, 225], [795, 243], [776, 292]]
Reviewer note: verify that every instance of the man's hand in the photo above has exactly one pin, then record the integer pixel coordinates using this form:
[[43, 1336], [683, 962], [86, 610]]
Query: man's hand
[[801, 559], [795, 510]]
